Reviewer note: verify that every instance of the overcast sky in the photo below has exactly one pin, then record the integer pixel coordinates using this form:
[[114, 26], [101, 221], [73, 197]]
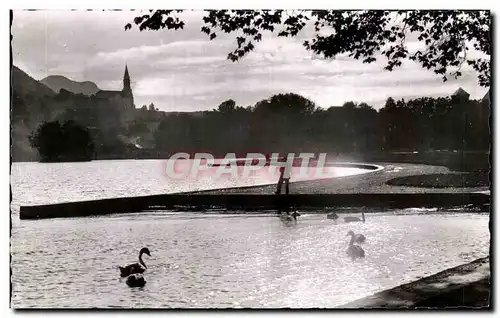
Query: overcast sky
[[184, 71]]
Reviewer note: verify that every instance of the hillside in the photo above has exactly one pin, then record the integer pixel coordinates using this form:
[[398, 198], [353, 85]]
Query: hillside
[[24, 84], [28, 108], [56, 82]]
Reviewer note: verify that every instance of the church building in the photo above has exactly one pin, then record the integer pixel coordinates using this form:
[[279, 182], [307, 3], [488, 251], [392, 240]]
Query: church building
[[125, 97]]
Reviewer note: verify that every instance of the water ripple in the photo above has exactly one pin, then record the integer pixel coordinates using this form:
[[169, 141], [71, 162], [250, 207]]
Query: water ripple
[[211, 262]]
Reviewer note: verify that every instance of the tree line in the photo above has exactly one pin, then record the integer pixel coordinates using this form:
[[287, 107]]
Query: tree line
[[285, 123], [292, 123]]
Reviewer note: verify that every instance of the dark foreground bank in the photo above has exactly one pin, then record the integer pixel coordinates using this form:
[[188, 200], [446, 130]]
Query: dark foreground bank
[[464, 286]]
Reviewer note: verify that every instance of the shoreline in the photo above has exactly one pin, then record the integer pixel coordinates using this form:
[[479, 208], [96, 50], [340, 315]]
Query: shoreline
[[464, 286], [362, 190], [374, 181]]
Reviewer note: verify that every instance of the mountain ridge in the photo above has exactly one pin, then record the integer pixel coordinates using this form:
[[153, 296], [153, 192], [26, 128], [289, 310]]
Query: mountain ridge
[[58, 82], [24, 84]]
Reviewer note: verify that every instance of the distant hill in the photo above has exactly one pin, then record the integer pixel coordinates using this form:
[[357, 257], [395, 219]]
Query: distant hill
[[27, 110], [24, 84], [56, 82]]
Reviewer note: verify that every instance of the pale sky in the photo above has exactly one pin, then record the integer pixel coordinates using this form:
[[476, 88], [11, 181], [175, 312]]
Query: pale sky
[[184, 71]]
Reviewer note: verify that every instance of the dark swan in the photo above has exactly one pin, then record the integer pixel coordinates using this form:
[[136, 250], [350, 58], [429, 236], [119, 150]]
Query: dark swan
[[348, 219], [295, 215], [136, 280], [135, 268], [332, 216], [354, 251], [290, 217]]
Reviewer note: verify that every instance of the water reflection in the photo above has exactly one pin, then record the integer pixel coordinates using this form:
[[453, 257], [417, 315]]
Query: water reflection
[[201, 260], [44, 183]]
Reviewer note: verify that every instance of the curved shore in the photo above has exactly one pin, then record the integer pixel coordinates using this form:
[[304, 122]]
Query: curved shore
[[369, 189], [370, 182]]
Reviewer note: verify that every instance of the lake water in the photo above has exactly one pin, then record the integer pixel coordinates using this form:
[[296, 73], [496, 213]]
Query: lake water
[[204, 260], [43, 183]]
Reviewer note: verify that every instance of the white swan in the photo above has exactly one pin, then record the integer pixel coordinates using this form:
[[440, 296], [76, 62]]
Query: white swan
[[348, 219], [359, 238], [354, 251]]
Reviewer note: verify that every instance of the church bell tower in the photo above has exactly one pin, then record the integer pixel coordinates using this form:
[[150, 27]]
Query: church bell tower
[[127, 90], [126, 80]]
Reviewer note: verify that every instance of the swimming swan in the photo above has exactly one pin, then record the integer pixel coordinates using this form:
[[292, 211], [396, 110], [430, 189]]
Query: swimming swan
[[332, 216], [354, 251], [295, 215], [286, 217], [359, 238], [135, 268], [136, 280], [290, 217], [348, 219]]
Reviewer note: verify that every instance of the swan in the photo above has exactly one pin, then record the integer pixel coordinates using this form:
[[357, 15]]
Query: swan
[[290, 217], [286, 217], [348, 219], [136, 280], [332, 216], [295, 215], [354, 251], [359, 238], [135, 268]]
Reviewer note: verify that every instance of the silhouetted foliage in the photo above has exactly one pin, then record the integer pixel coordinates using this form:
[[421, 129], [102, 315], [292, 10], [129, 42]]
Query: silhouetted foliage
[[350, 104], [67, 142], [362, 35], [292, 123], [138, 127], [227, 106]]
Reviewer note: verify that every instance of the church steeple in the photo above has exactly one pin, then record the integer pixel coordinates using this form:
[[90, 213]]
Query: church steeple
[[127, 90], [126, 80]]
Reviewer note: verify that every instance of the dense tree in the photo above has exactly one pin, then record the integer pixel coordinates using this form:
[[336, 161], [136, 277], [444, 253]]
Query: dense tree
[[227, 106], [292, 123], [447, 35], [286, 104], [364, 105], [67, 142], [349, 104], [138, 127]]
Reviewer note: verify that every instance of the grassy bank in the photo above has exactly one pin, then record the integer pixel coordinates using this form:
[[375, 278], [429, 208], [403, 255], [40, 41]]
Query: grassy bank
[[441, 180], [464, 161]]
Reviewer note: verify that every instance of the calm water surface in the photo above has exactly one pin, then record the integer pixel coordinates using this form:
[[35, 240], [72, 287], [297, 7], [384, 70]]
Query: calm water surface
[[211, 260], [202, 260], [43, 183]]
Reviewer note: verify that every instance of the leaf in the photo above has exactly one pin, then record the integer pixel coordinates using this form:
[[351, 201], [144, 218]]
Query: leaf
[[358, 34], [205, 29]]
